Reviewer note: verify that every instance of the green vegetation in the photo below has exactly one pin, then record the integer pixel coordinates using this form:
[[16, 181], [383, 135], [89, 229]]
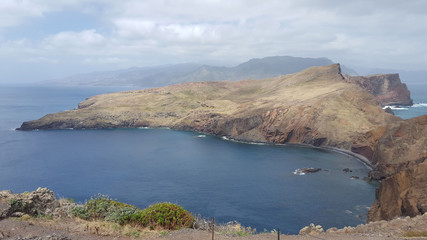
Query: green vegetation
[[16, 204], [163, 215], [158, 216], [102, 207], [415, 234]]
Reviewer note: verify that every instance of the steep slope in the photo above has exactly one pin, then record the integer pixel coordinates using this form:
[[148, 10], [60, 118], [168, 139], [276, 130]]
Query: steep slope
[[387, 88], [400, 161]]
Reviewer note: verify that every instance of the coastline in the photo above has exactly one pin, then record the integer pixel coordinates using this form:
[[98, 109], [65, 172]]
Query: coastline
[[359, 157]]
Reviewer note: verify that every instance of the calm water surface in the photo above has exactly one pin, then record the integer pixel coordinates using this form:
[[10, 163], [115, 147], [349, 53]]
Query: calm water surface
[[253, 184]]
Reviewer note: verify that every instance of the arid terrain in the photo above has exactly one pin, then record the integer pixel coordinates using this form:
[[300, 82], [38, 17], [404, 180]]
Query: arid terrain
[[33, 228]]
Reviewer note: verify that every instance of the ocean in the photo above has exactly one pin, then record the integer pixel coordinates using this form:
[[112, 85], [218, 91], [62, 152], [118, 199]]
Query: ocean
[[208, 175]]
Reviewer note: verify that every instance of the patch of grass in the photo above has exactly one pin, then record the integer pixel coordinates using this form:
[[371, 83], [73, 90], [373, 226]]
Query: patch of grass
[[163, 233], [235, 229], [45, 216], [415, 234], [134, 234]]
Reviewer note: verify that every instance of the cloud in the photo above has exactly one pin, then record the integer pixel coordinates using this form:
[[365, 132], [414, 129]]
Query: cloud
[[73, 40], [383, 33], [106, 60]]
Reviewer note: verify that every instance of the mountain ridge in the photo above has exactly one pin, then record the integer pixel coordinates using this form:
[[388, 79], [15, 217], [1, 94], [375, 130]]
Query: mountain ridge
[[157, 76]]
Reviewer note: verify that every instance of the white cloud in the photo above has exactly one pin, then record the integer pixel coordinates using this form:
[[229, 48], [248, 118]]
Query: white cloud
[[14, 12], [383, 33], [105, 60], [40, 60], [75, 43]]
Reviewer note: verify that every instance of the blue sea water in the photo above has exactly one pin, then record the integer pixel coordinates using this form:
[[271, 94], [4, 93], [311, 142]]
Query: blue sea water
[[419, 97], [253, 184]]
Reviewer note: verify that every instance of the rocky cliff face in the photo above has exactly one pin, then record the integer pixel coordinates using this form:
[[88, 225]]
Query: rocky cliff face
[[317, 106], [387, 88], [400, 160]]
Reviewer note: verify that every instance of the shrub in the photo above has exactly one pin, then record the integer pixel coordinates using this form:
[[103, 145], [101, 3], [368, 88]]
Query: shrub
[[105, 208], [80, 212], [163, 215], [121, 215]]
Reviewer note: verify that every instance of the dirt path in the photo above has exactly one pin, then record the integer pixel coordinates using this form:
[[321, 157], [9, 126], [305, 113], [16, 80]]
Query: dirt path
[[65, 229]]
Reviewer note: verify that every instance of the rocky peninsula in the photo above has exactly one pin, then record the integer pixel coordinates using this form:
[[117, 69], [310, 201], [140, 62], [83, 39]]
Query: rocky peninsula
[[318, 106]]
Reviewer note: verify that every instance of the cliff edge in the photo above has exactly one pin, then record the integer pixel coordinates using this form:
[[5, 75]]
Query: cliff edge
[[387, 88]]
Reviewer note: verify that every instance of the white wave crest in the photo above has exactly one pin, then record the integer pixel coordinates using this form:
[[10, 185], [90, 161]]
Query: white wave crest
[[201, 136], [225, 138], [395, 108], [298, 171], [420, 105]]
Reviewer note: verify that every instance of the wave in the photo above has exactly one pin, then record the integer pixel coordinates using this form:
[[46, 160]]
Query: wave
[[201, 136], [298, 171], [395, 107], [420, 105], [348, 212]]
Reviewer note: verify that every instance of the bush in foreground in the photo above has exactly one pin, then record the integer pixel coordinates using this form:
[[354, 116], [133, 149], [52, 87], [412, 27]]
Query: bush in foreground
[[161, 215], [104, 208]]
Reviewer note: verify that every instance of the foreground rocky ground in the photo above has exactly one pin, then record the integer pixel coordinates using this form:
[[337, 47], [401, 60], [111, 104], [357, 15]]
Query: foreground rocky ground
[[64, 229], [40, 216]]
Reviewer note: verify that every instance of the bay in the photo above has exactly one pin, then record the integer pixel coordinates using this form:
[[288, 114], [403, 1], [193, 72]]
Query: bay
[[253, 184]]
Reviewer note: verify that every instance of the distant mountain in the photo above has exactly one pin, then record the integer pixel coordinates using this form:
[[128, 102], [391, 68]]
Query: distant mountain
[[135, 76], [257, 68]]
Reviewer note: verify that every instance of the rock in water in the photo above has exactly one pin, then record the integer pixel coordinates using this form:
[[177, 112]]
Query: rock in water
[[310, 170], [389, 110]]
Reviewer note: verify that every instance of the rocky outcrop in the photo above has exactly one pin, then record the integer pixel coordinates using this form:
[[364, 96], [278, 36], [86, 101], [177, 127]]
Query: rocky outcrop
[[387, 88], [311, 230], [37, 203], [40, 202], [400, 161]]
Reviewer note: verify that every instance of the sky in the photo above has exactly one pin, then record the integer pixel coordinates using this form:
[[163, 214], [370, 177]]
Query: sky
[[47, 39]]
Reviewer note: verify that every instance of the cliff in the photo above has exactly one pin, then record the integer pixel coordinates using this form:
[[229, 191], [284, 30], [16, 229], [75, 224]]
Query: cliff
[[317, 106], [400, 161], [387, 88]]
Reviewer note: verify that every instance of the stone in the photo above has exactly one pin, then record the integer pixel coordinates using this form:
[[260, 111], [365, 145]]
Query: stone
[[311, 230], [40, 202]]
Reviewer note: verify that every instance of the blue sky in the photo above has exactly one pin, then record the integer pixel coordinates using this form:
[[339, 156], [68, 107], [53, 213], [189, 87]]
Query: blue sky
[[45, 39]]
